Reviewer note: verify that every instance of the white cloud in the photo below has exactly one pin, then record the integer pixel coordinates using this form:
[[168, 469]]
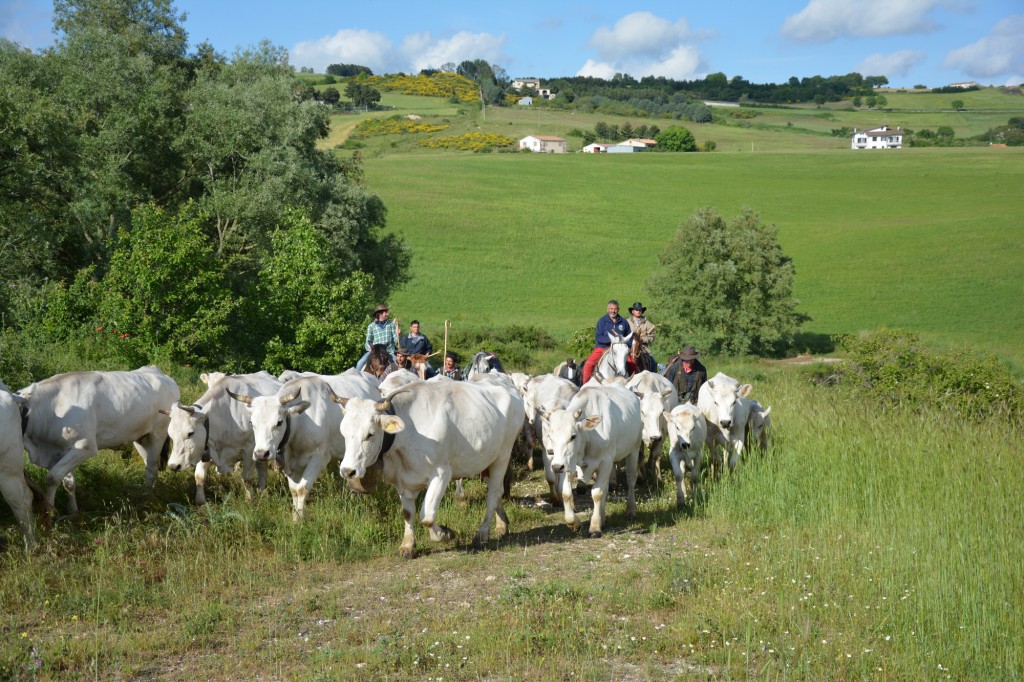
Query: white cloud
[[824, 20], [642, 44], [999, 53], [421, 51], [639, 33], [892, 64], [347, 46]]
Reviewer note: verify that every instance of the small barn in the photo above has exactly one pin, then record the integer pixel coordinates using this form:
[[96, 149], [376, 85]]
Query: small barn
[[544, 143]]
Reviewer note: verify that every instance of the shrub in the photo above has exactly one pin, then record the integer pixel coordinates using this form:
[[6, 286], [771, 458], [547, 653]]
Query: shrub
[[514, 345], [893, 365]]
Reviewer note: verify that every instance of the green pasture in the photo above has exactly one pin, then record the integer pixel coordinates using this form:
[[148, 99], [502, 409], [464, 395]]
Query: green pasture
[[926, 239], [869, 543]]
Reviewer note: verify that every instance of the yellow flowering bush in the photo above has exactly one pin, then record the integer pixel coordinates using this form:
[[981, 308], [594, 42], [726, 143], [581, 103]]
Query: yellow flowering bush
[[471, 142], [439, 85], [395, 125]]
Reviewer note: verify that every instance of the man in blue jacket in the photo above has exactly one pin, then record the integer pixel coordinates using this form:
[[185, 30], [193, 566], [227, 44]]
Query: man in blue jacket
[[611, 322]]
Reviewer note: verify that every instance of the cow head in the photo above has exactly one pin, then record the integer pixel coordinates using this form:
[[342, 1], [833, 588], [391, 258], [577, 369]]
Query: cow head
[[724, 391], [270, 418], [652, 411], [189, 434], [564, 437], [365, 426], [686, 427], [759, 423]]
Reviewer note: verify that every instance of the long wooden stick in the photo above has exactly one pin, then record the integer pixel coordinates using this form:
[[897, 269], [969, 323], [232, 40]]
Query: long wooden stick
[[447, 326]]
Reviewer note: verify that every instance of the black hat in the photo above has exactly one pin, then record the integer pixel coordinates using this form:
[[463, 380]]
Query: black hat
[[401, 350], [689, 353], [638, 306]]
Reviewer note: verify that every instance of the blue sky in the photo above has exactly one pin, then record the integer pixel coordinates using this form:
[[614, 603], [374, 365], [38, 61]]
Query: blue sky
[[932, 42]]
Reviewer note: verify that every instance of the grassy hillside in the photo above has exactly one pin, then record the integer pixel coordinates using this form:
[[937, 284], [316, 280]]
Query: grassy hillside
[[920, 238]]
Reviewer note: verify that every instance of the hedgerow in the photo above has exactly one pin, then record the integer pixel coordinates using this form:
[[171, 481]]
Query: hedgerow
[[472, 142], [894, 366]]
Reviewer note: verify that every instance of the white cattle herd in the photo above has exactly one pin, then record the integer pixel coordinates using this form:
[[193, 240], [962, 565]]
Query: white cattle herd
[[415, 435]]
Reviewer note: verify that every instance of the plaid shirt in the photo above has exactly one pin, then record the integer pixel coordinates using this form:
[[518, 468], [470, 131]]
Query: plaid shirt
[[382, 334]]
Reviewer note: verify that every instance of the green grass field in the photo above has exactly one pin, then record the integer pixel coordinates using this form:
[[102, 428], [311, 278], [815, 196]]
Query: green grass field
[[925, 239]]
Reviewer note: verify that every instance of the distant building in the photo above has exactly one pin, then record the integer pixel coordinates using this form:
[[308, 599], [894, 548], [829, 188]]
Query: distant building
[[595, 148], [964, 85], [521, 83], [544, 143], [627, 147], [645, 141], [877, 138], [524, 101]]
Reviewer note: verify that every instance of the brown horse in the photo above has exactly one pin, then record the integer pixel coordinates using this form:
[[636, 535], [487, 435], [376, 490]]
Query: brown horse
[[379, 360]]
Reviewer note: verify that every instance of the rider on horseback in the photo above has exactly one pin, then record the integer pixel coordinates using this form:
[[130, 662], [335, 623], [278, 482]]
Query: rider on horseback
[[608, 324], [380, 332], [643, 336]]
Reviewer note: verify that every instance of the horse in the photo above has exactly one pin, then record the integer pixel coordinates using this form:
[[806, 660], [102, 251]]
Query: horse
[[642, 356], [613, 361], [378, 361]]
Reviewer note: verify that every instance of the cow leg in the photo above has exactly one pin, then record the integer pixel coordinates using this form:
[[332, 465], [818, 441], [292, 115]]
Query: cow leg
[[300, 489], [82, 450], [677, 472], [432, 502], [201, 468], [495, 490], [408, 548], [568, 501], [695, 464], [460, 493], [554, 484], [599, 493], [15, 490], [652, 468], [149, 447]]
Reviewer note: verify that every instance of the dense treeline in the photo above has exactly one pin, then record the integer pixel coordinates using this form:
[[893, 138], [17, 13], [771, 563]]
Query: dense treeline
[[161, 204]]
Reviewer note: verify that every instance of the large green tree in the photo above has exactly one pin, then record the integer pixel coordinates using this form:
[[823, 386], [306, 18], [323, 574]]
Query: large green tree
[[675, 139], [725, 286]]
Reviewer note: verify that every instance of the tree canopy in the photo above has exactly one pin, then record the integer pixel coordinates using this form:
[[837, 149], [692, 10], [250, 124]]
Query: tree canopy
[[120, 149], [725, 286]]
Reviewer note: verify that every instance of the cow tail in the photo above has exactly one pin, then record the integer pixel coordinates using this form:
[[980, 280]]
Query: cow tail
[[40, 505]]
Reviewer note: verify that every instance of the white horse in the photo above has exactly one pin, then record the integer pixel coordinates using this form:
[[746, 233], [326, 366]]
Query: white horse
[[613, 362]]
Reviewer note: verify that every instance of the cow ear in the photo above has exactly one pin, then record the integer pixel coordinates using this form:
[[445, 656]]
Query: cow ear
[[745, 390], [390, 423], [299, 407], [591, 422]]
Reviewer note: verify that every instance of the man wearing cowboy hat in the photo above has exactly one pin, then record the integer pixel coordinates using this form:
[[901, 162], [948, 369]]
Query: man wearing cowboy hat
[[380, 332], [643, 337], [689, 374]]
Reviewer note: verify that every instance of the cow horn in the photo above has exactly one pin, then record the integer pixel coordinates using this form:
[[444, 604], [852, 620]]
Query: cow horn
[[191, 409], [285, 399], [247, 399], [335, 397], [384, 405]]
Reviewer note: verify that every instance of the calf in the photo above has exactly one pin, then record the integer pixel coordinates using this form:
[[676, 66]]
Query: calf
[[546, 393], [687, 433], [657, 397], [14, 486]]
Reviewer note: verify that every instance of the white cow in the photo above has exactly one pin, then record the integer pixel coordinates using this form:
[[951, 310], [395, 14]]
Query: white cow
[[719, 402], [600, 426], [657, 397], [297, 426], [13, 484], [427, 433], [759, 424], [217, 430], [397, 379], [70, 417], [687, 433], [547, 392], [352, 382]]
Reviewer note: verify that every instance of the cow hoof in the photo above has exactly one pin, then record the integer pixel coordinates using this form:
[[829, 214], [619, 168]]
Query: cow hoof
[[407, 553], [595, 534], [479, 543], [439, 533]]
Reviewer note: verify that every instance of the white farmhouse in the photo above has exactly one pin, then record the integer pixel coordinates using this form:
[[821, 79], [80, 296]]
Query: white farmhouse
[[877, 138], [544, 143], [521, 83], [595, 148]]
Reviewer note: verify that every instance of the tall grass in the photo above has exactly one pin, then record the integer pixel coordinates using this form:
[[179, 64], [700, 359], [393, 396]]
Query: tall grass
[[868, 543]]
